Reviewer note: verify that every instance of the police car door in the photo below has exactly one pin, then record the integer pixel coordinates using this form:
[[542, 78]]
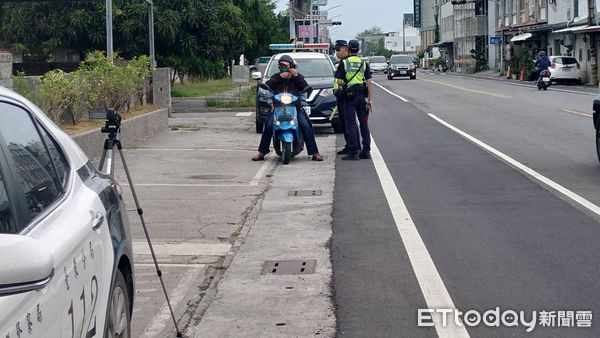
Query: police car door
[[66, 218]]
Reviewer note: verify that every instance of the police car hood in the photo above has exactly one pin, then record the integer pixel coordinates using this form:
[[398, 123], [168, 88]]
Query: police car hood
[[319, 82]]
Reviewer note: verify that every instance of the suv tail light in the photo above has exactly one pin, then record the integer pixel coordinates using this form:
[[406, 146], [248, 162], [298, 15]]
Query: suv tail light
[[578, 66]]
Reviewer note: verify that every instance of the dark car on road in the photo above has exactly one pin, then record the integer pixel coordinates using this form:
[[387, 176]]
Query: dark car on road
[[318, 70], [402, 66]]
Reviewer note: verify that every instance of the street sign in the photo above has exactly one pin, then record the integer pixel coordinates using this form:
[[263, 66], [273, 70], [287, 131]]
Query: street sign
[[319, 2], [417, 13], [241, 74], [496, 40]]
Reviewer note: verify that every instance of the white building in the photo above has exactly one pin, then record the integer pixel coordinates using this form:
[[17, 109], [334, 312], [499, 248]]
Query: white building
[[404, 42]]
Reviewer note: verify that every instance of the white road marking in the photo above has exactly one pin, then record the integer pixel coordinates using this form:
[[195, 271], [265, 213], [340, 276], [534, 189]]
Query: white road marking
[[160, 321], [429, 279], [182, 249], [389, 92], [524, 169], [244, 114], [188, 149], [261, 172]]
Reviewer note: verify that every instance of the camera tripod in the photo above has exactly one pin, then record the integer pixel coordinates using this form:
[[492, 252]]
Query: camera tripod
[[112, 127]]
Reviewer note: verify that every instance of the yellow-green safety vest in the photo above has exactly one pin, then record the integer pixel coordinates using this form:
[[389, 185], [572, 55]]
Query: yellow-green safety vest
[[352, 65]]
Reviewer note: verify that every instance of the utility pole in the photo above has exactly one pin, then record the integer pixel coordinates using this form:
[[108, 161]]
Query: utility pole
[[292, 22], [109, 30], [403, 34], [151, 32]]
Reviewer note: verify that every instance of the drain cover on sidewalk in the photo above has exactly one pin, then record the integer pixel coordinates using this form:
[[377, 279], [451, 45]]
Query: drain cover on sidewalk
[[305, 193], [291, 267]]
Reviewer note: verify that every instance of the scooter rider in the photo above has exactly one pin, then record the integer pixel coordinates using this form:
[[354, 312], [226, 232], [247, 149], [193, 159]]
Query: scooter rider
[[543, 63], [291, 81]]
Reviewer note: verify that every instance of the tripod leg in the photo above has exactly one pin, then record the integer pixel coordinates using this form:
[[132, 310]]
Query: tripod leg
[[141, 214], [102, 158]]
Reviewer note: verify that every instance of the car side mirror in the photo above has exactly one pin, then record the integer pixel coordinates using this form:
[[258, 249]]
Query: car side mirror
[[26, 265], [256, 75]]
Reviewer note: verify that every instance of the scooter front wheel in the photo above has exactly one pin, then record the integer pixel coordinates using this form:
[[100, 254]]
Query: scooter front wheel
[[286, 152]]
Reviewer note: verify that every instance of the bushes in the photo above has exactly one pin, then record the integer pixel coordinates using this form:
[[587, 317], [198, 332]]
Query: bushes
[[97, 84]]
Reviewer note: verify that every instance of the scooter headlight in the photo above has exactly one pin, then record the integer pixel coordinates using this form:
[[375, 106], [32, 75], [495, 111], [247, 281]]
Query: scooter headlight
[[277, 122], [286, 99], [293, 122]]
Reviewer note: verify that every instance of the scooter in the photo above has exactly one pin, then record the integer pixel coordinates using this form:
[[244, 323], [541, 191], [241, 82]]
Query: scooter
[[287, 138], [543, 81]]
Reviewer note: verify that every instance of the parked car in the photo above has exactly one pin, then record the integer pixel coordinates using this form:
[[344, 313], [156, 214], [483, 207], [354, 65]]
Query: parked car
[[318, 70], [565, 69], [67, 264], [260, 64], [401, 66], [378, 64]]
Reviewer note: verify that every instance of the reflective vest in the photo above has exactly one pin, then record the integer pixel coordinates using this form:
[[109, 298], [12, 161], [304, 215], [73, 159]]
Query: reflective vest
[[351, 66]]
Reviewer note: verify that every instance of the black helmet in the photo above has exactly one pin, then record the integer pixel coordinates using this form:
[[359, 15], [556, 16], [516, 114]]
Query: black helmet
[[289, 59], [542, 54]]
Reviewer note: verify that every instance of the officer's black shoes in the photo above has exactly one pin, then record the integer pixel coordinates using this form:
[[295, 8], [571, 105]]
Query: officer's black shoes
[[365, 155], [343, 151], [351, 157]]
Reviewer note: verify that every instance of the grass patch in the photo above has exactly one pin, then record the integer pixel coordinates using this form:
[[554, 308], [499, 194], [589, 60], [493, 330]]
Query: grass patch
[[202, 88], [85, 125], [246, 100]]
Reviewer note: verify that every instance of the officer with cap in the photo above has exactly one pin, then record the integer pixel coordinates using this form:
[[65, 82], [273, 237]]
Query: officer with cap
[[351, 75], [341, 52]]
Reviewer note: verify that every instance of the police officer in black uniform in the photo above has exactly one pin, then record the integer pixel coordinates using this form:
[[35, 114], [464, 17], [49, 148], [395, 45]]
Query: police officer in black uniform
[[341, 52], [352, 74]]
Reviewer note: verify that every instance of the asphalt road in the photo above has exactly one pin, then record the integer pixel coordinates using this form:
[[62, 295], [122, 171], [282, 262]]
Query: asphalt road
[[456, 226]]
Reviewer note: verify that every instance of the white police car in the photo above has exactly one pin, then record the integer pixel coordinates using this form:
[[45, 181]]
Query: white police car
[[66, 267]]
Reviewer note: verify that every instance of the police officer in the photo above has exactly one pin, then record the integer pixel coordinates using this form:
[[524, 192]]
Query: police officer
[[341, 52], [351, 74]]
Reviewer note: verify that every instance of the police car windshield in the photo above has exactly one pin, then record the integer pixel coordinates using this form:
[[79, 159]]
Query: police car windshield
[[401, 59], [307, 67], [378, 59]]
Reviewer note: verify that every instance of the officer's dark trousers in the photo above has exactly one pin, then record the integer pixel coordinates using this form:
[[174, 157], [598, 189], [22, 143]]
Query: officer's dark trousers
[[363, 122], [308, 134], [341, 117], [350, 108]]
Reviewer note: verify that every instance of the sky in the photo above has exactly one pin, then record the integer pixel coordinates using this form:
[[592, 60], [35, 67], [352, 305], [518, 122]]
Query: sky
[[356, 15]]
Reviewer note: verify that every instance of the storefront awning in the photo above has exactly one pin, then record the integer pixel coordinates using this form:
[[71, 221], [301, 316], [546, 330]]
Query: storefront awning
[[576, 29], [590, 29], [521, 37]]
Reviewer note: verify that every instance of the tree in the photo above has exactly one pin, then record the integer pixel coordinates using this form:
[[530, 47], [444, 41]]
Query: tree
[[369, 32]]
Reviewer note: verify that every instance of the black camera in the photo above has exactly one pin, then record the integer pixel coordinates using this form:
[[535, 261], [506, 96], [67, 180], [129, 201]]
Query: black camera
[[105, 114]]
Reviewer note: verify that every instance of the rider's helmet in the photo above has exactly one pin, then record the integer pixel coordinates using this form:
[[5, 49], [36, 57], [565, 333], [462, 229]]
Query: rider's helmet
[[542, 54], [286, 58]]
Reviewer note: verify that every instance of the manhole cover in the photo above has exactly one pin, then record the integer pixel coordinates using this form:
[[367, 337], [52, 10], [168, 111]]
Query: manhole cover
[[211, 177], [290, 267], [305, 193]]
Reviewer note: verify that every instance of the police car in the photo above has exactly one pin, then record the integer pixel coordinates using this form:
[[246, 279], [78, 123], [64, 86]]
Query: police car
[[66, 267]]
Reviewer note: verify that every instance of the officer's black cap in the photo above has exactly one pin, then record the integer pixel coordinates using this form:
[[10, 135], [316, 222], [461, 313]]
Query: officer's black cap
[[353, 45], [340, 43]]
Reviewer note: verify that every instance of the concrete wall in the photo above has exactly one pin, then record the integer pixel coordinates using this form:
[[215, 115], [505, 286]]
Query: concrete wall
[[6, 69], [161, 88], [133, 131]]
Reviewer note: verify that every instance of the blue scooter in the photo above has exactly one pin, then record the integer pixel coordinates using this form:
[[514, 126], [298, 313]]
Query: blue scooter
[[287, 138]]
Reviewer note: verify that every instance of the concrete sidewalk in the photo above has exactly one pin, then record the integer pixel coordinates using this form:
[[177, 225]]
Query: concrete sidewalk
[[215, 218]]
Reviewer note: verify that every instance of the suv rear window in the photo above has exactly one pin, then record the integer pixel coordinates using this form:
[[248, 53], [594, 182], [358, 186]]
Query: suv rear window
[[7, 221], [378, 59], [565, 60]]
